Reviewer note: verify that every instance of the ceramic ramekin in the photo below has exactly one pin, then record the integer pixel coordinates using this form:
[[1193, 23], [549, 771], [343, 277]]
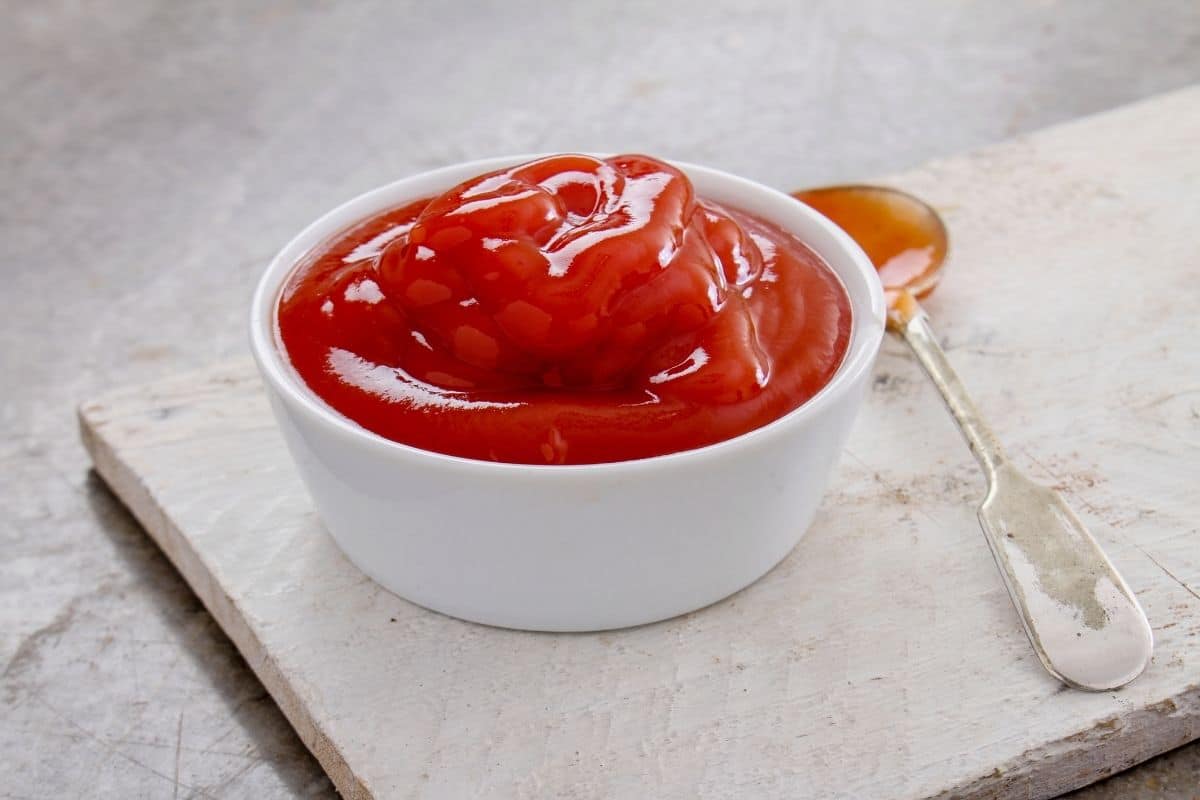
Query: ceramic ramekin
[[571, 548]]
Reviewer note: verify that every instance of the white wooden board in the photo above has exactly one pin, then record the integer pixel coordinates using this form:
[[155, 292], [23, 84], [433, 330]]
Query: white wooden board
[[882, 659]]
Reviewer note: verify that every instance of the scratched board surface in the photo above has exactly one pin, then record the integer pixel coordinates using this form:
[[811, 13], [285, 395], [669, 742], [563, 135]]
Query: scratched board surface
[[882, 658]]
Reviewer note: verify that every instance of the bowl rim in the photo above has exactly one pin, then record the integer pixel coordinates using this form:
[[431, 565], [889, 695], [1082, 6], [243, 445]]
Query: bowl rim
[[868, 317]]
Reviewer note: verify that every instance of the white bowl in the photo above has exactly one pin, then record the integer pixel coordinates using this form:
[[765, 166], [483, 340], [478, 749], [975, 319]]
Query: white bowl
[[571, 548]]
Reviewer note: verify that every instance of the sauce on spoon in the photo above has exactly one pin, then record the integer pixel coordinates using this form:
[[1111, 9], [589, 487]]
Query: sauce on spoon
[[901, 234]]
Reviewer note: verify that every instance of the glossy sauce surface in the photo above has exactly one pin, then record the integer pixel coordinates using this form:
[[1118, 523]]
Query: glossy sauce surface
[[567, 311]]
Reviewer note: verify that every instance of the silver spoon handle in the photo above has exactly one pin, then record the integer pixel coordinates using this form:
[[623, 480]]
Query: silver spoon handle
[[920, 337], [1085, 624]]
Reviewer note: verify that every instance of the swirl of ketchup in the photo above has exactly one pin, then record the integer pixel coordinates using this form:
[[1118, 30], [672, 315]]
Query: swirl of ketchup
[[567, 310]]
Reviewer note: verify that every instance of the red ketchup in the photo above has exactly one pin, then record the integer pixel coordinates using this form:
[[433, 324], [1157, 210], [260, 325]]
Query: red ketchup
[[571, 310]]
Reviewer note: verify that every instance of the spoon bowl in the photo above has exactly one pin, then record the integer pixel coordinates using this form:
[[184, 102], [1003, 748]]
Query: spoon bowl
[[903, 235]]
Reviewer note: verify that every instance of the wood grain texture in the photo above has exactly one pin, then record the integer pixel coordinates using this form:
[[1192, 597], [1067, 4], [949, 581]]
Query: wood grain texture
[[882, 658]]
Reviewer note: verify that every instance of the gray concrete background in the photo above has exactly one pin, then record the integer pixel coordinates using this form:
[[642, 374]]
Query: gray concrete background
[[155, 154]]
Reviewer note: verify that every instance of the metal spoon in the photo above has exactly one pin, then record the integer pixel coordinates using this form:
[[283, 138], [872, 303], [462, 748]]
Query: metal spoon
[[1085, 624]]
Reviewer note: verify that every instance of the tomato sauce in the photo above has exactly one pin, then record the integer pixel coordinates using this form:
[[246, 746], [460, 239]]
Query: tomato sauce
[[571, 310]]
